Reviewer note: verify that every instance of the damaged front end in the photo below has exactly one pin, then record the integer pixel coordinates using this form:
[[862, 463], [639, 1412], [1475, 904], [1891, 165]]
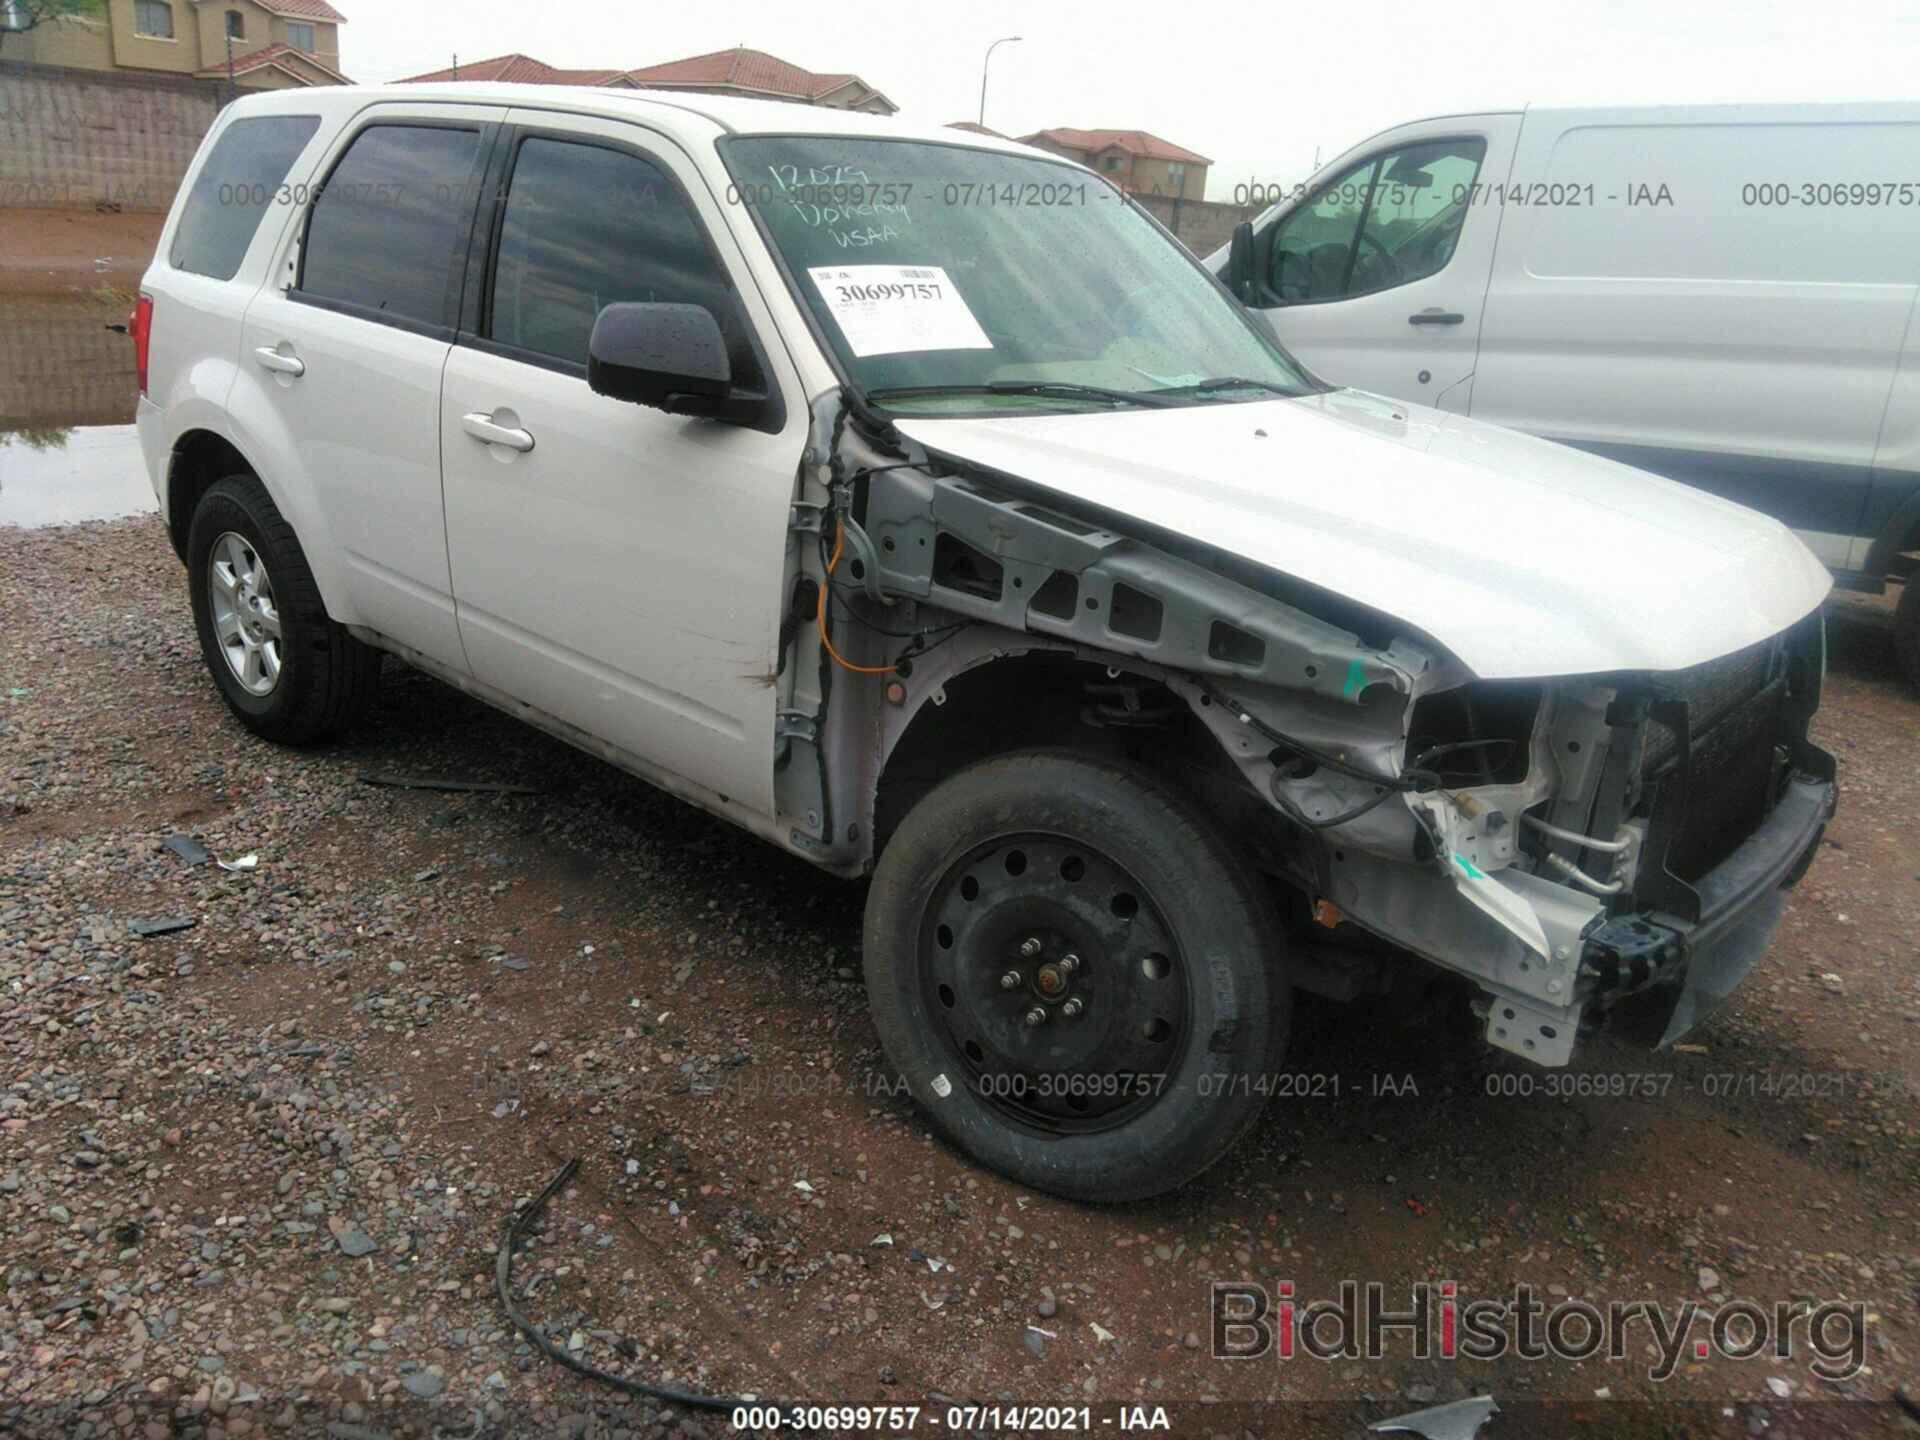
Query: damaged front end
[[1602, 843]]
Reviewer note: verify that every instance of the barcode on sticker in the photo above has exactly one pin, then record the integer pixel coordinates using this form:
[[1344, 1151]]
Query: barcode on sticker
[[906, 274]]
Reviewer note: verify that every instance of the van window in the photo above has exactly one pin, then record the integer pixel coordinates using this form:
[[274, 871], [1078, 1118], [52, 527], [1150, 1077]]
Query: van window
[[587, 226], [389, 222], [1387, 222], [232, 191]]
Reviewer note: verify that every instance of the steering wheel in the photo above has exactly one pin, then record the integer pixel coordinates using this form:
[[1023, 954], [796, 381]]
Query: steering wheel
[[1389, 268]]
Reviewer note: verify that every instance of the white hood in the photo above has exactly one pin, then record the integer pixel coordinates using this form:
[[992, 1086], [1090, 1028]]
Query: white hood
[[1522, 557]]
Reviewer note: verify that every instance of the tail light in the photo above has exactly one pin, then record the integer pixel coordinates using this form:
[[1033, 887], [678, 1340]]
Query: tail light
[[140, 327]]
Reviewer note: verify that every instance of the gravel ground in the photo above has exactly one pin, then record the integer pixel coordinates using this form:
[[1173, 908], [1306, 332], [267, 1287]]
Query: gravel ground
[[254, 1173]]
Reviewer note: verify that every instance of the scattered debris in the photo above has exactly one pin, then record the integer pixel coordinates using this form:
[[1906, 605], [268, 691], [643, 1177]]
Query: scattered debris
[[881, 1239], [1781, 1387], [516, 1229], [147, 929], [435, 782], [1457, 1420], [1100, 1332], [245, 862], [188, 849], [803, 1187]]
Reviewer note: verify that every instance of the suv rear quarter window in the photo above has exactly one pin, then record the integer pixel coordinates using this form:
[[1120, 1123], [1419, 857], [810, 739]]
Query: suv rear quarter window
[[390, 222], [243, 174]]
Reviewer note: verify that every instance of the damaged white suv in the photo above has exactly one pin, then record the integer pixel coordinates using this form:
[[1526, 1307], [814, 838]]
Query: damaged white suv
[[914, 501]]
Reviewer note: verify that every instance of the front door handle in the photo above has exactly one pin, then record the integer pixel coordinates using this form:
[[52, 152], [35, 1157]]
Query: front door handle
[[1434, 315], [482, 427], [280, 362]]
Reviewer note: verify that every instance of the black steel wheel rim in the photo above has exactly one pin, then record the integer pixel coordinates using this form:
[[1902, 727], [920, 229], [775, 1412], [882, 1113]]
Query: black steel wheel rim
[[1055, 982]]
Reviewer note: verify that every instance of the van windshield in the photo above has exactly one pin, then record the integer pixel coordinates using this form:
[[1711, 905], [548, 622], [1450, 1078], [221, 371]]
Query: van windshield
[[953, 280]]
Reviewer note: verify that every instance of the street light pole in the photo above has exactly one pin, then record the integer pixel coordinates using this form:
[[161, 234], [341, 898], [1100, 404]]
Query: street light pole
[[1004, 39]]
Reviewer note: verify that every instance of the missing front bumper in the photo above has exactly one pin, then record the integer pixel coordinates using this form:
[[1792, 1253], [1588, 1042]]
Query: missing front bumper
[[1660, 976]]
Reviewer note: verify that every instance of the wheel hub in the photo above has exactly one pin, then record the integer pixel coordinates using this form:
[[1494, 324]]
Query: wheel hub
[[246, 622], [1055, 982]]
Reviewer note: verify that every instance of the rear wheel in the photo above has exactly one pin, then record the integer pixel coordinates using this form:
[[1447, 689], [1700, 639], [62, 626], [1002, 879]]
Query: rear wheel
[[1906, 630], [284, 667], [1079, 979]]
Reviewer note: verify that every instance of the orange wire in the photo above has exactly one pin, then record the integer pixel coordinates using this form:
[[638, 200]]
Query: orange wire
[[820, 610]]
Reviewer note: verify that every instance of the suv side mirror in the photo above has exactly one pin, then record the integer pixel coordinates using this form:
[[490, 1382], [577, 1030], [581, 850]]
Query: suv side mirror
[[1240, 262], [671, 357]]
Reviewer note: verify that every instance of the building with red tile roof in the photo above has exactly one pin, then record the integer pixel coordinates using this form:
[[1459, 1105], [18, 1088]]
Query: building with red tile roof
[[1136, 160], [739, 71]]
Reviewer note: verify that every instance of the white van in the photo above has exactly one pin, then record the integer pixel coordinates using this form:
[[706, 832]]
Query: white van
[[1723, 295]]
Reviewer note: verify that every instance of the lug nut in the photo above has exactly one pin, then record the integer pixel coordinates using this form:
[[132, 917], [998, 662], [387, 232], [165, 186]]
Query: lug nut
[[1030, 947], [1072, 1008], [1036, 1016], [1011, 980], [1068, 963]]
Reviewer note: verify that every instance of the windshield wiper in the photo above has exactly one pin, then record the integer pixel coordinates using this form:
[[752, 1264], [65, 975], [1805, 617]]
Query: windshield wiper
[[1063, 389], [1226, 382]]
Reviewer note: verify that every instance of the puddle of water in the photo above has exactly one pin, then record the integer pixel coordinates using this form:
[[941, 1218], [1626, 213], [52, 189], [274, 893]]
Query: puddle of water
[[60, 365], [55, 477]]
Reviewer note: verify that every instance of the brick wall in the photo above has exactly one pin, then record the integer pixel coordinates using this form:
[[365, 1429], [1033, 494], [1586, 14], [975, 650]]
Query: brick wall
[[79, 139], [1202, 225]]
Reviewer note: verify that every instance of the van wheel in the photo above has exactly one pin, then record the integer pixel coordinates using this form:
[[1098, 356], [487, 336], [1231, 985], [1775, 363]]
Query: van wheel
[[287, 671], [1081, 982], [1906, 630]]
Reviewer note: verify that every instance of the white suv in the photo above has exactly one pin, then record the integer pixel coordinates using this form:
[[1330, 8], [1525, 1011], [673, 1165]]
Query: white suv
[[914, 501]]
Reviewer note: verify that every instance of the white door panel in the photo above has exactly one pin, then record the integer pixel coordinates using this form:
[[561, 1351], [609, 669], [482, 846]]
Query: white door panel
[[624, 572], [362, 421]]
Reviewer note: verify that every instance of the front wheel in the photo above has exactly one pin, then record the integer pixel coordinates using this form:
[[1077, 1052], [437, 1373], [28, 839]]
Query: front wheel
[[1080, 981]]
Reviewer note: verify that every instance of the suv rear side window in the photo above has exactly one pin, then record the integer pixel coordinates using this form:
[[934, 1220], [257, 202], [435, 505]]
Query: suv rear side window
[[242, 176], [389, 222], [587, 226]]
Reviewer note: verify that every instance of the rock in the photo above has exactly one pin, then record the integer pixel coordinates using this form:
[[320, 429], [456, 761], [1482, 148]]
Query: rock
[[1709, 1279], [423, 1384], [355, 1242], [1420, 1393], [1047, 1308]]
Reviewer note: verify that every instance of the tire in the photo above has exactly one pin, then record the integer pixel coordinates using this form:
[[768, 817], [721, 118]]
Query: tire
[[1180, 975], [318, 679], [1906, 630]]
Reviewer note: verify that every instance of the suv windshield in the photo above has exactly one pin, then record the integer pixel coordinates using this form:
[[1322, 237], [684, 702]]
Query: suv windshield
[[952, 280]]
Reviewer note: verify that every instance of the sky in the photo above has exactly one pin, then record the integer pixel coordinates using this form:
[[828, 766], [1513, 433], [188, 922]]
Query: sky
[[1261, 89]]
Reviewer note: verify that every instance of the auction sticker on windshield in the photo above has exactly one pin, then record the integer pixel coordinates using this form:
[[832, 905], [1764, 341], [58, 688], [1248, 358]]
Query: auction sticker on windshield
[[897, 309]]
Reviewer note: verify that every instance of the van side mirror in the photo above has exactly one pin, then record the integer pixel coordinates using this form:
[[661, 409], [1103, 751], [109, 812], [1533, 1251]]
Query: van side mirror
[[670, 357], [1240, 262]]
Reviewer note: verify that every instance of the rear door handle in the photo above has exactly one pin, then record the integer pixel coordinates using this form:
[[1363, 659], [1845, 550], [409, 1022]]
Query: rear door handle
[[279, 361], [481, 427], [1436, 316]]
